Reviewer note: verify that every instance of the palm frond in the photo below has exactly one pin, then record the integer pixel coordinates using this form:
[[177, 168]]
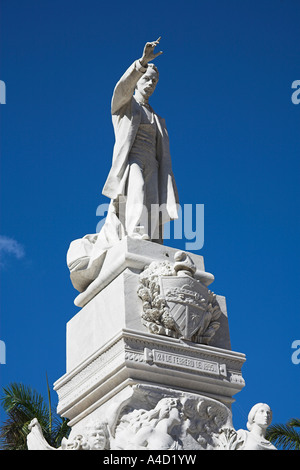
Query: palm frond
[[60, 430], [21, 404], [294, 423], [25, 400], [284, 436]]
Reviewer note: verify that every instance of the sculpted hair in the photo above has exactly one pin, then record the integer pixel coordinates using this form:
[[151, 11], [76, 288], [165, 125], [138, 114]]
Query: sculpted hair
[[154, 68]]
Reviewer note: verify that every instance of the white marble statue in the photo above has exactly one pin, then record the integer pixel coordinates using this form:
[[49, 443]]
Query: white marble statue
[[152, 429], [141, 167], [259, 418], [140, 184], [149, 419]]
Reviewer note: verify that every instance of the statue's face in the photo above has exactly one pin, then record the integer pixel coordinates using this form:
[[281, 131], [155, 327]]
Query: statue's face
[[97, 439], [263, 416], [147, 83]]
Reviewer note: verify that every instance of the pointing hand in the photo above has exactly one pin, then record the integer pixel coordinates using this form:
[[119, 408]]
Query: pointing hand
[[148, 53]]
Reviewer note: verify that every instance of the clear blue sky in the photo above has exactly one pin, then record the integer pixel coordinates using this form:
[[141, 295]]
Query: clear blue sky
[[225, 91]]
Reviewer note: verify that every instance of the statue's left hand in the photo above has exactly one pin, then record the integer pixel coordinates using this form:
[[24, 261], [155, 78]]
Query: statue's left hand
[[148, 53]]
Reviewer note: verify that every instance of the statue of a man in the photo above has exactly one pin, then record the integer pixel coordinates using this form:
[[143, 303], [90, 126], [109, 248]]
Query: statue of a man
[[140, 184], [141, 176]]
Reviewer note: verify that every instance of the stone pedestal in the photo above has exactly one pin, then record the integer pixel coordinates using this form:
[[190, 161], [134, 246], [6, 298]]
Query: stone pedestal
[[150, 351]]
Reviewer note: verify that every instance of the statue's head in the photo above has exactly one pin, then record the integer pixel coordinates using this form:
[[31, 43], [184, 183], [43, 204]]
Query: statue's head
[[260, 415], [147, 83], [97, 436]]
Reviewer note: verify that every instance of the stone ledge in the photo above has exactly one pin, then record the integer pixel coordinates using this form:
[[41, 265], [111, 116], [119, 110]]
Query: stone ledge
[[134, 253], [135, 357]]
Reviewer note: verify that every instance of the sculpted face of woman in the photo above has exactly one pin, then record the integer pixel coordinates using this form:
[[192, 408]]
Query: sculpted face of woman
[[263, 416]]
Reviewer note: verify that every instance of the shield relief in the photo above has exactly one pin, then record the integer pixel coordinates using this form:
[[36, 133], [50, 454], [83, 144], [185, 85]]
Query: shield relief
[[187, 300]]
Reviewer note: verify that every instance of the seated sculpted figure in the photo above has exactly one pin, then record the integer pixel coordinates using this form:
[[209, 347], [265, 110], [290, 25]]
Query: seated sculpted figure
[[140, 184]]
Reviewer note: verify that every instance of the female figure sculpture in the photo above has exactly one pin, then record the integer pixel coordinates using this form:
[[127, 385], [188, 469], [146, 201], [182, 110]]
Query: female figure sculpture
[[259, 418]]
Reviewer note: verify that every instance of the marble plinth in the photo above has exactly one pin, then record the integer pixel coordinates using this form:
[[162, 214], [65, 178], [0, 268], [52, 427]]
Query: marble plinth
[[125, 341]]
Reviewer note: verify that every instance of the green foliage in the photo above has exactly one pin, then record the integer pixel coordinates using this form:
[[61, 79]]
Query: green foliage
[[285, 436], [21, 404]]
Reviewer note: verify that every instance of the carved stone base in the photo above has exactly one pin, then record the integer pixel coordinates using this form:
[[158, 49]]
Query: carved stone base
[[149, 417], [149, 359], [134, 271], [133, 358], [156, 418]]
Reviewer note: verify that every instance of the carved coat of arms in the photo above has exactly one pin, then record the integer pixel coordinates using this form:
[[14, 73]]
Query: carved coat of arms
[[175, 303]]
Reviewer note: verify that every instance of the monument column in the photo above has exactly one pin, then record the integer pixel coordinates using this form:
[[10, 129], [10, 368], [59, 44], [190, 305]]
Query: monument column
[[150, 335]]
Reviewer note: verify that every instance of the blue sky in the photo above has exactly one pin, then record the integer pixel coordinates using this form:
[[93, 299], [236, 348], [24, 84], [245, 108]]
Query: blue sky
[[225, 92]]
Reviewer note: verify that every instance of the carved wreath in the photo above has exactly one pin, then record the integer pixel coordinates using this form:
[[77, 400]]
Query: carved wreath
[[156, 314]]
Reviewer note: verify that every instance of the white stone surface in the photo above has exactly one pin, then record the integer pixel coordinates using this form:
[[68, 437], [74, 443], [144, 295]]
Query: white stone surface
[[112, 355], [133, 357], [259, 418], [147, 417], [117, 305], [151, 417], [136, 254]]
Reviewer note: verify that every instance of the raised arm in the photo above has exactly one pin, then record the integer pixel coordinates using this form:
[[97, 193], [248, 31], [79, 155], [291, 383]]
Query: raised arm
[[125, 87]]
